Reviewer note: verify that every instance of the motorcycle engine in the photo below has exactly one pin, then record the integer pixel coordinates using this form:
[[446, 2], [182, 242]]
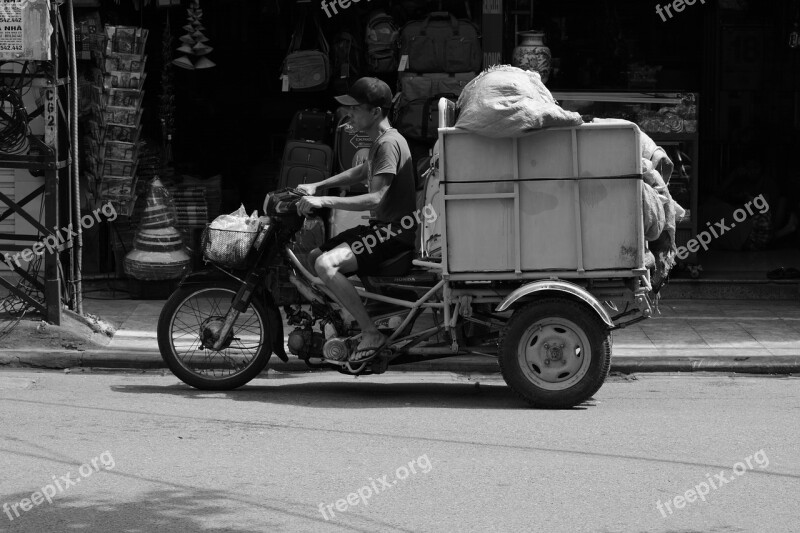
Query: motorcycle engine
[[336, 349], [305, 343]]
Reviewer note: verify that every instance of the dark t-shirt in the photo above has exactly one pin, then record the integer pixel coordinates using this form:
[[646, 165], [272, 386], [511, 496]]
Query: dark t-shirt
[[389, 154]]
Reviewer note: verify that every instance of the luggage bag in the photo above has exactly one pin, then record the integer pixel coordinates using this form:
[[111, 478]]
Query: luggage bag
[[307, 70], [418, 119], [305, 162], [442, 43], [311, 125], [414, 86]]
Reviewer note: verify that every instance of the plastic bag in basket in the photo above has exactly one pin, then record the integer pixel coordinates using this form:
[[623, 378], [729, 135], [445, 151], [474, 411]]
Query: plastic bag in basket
[[231, 236]]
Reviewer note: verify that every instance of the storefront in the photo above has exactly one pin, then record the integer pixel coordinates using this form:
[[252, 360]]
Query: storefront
[[715, 83]]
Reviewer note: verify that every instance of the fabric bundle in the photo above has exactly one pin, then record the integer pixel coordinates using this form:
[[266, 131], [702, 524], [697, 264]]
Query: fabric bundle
[[661, 215]]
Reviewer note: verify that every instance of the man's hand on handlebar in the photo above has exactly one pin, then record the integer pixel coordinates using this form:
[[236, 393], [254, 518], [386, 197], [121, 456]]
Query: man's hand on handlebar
[[307, 204], [308, 188]]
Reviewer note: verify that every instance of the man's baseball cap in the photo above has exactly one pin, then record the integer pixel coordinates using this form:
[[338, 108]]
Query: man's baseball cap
[[370, 91]]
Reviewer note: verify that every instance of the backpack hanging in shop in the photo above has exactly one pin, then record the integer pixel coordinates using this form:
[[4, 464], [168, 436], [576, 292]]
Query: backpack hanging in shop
[[346, 61], [382, 38], [306, 70]]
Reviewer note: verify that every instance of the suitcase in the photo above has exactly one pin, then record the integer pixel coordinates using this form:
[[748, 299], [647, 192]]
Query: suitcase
[[311, 125], [305, 162], [441, 43]]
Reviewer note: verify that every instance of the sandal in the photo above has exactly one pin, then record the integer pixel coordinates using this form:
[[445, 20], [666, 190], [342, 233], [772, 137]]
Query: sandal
[[362, 355]]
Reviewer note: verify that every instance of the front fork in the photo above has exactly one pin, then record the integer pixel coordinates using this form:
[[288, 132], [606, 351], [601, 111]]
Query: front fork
[[255, 277]]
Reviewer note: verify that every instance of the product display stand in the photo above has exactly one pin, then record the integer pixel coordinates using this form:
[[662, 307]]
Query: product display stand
[[115, 128]]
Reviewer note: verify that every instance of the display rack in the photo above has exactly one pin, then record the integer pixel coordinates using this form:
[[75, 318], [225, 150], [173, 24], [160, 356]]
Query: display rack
[[49, 156]]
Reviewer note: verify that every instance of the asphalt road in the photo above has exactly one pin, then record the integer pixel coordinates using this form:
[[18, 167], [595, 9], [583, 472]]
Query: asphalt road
[[412, 452]]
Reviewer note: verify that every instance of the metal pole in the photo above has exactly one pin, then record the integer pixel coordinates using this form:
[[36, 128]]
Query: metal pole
[[52, 290], [76, 185]]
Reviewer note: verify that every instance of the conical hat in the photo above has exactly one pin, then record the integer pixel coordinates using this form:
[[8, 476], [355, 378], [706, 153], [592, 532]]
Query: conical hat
[[204, 62], [183, 62], [201, 49]]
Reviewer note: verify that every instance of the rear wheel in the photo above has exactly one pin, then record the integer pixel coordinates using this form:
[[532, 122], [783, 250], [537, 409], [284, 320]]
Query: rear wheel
[[555, 353], [190, 323]]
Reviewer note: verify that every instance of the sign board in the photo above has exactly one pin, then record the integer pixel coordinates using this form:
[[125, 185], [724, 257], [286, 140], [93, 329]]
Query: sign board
[[492, 32], [25, 30]]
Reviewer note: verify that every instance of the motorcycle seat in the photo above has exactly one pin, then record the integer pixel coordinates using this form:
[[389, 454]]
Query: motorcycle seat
[[399, 270], [398, 265]]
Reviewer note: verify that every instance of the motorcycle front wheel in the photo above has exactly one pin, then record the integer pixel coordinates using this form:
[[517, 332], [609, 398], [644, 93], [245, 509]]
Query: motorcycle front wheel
[[188, 326]]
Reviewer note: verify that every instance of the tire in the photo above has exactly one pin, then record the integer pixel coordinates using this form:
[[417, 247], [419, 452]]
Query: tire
[[530, 369], [242, 360]]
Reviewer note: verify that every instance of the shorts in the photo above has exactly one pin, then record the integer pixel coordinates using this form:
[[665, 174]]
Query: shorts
[[372, 245]]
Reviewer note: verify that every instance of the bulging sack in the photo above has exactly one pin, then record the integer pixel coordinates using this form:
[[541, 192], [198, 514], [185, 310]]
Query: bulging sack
[[506, 101]]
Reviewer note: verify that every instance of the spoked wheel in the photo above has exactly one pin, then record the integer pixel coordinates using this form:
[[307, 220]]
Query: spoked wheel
[[555, 353], [190, 324]]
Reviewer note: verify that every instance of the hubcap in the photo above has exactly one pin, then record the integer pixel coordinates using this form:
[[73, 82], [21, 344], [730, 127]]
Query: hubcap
[[554, 353], [210, 330]]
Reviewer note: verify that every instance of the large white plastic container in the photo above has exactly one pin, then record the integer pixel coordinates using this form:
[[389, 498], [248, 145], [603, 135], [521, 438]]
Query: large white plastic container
[[560, 199]]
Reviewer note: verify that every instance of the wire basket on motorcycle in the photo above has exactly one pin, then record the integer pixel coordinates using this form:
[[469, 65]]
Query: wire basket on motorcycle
[[229, 238]]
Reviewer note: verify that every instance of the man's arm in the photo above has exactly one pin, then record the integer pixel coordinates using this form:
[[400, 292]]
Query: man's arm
[[350, 176], [362, 202]]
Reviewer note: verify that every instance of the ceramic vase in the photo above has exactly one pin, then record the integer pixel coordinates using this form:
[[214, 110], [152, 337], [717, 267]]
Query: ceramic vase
[[532, 54]]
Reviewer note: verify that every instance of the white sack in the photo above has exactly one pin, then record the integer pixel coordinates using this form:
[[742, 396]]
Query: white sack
[[506, 101]]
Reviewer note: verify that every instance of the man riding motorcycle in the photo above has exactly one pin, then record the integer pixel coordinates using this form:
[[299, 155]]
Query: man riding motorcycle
[[391, 198]]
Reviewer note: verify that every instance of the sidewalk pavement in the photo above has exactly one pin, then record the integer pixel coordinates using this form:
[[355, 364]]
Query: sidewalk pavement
[[748, 336]]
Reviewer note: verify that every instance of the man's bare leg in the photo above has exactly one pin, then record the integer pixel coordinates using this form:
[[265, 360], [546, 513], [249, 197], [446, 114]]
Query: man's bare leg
[[329, 267]]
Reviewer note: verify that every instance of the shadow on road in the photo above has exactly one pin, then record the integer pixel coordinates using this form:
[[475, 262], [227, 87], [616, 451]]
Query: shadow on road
[[179, 509], [356, 395]]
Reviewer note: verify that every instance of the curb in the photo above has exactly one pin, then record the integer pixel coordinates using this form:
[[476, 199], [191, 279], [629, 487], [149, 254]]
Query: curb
[[775, 364], [148, 360]]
